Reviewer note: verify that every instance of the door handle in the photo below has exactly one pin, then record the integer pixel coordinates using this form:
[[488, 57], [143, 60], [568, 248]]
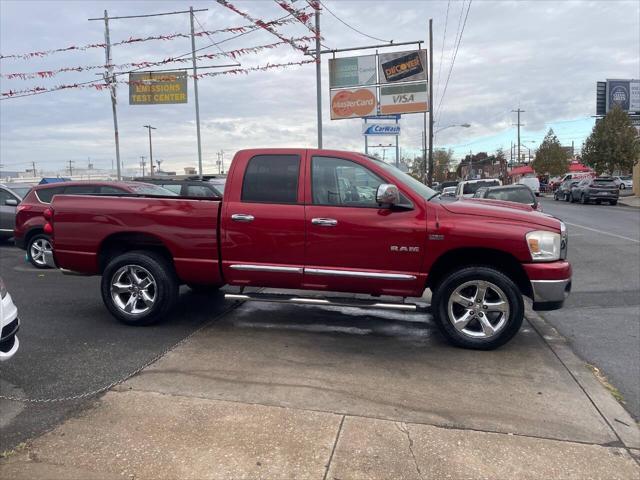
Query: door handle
[[242, 217], [324, 222]]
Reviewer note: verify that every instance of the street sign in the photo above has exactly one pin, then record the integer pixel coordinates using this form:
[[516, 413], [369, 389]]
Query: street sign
[[403, 66], [352, 71], [380, 129], [406, 98], [153, 88], [353, 103]]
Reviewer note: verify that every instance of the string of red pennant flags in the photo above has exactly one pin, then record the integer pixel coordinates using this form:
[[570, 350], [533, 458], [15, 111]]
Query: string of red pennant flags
[[239, 29], [300, 15], [102, 86], [239, 52], [262, 24]]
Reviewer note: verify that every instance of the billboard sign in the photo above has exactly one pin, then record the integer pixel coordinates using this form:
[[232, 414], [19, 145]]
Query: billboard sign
[[623, 93], [352, 71], [156, 88], [379, 129], [406, 98], [403, 66], [353, 103]]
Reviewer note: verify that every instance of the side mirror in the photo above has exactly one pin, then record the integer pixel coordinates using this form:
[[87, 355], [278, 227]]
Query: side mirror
[[12, 202], [388, 194]]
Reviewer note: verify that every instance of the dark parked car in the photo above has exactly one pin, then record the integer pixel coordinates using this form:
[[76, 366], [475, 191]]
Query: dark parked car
[[563, 192], [600, 189], [448, 183], [190, 187], [10, 196], [29, 231], [510, 193]]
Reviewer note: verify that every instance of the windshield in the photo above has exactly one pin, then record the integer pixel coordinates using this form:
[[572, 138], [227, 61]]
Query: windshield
[[473, 187], [415, 185], [147, 189], [519, 195]]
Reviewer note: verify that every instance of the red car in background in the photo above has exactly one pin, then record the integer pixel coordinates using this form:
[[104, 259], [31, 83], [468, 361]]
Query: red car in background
[[29, 231]]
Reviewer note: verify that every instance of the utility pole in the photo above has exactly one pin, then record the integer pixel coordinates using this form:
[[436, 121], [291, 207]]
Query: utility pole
[[430, 172], [195, 92], [519, 125], [71, 162], [318, 76], [110, 80], [142, 163], [33, 164], [149, 127]]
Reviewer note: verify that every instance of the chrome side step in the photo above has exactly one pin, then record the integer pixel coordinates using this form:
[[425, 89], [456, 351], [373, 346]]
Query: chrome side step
[[321, 301]]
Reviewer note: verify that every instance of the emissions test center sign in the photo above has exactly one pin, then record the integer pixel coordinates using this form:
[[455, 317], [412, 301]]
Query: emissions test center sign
[[153, 88]]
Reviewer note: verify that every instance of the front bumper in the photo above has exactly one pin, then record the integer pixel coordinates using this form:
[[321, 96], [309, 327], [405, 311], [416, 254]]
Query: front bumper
[[550, 283], [9, 325]]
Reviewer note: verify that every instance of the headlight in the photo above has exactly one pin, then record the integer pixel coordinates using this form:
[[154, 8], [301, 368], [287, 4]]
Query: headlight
[[544, 246], [3, 289]]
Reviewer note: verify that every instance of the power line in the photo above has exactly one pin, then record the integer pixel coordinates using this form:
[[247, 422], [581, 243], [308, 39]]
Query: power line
[[453, 61], [444, 38], [352, 27]]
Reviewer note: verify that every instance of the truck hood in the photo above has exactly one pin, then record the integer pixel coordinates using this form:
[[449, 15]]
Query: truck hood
[[502, 210]]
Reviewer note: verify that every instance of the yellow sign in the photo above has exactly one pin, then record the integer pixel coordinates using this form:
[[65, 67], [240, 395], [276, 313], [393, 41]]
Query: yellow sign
[[153, 88]]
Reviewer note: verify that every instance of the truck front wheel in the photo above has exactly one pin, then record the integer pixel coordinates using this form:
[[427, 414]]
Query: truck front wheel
[[139, 287], [478, 308]]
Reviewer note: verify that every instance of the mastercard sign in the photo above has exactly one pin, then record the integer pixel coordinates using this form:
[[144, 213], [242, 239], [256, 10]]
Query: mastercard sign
[[353, 103]]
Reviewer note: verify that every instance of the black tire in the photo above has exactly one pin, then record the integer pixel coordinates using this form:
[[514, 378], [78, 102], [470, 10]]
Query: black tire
[[572, 200], [36, 239], [165, 288], [622, 186], [458, 278], [583, 200], [566, 197], [202, 288], [555, 196], [614, 202]]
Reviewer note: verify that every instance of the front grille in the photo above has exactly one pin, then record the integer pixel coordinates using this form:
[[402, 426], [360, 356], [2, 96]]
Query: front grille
[[9, 328]]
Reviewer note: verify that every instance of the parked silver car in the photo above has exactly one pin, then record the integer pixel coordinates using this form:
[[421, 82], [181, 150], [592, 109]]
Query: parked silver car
[[10, 196]]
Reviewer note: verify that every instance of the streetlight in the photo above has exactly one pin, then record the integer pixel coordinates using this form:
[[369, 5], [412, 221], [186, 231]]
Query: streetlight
[[463, 125], [149, 127]]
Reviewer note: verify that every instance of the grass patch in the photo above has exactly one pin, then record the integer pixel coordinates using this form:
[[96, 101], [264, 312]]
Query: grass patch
[[605, 383], [18, 448]]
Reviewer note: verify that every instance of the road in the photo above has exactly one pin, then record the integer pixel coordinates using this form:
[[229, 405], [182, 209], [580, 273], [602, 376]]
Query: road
[[601, 318]]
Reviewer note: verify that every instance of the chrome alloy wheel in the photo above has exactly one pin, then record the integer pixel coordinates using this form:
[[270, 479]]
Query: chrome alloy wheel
[[37, 250], [478, 309], [133, 289]]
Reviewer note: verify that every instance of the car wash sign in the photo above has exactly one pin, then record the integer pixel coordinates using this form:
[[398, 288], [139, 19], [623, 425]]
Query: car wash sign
[[380, 129], [157, 88]]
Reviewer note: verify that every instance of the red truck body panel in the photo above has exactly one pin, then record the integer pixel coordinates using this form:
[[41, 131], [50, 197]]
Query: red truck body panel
[[185, 227]]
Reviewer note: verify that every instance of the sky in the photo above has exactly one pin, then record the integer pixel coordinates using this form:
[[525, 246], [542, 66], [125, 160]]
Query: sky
[[543, 57]]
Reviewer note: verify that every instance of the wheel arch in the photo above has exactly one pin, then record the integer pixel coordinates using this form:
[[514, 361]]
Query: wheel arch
[[464, 257], [123, 242]]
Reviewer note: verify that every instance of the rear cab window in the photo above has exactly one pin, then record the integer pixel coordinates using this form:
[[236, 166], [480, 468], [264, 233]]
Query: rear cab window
[[271, 179], [45, 195]]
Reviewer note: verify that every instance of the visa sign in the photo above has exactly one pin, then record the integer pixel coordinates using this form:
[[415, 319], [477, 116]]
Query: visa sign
[[380, 129]]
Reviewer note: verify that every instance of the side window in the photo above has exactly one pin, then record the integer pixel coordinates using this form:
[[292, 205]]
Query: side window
[[4, 196], [46, 194], [198, 191], [343, 183], [105, 189], [271, 179], [173, 187], [81, 190]]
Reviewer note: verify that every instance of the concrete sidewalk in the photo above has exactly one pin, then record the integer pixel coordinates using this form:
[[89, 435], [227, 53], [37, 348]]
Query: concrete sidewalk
[[633, 201], [295, 392]]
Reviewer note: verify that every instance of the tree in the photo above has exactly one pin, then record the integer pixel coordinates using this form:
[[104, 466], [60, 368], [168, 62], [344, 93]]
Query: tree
[[613, 144], [441, 162], [550, 158]]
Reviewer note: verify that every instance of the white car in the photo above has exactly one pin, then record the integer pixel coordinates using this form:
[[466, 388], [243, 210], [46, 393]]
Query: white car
[[449, 192], [9, 324], [469, 187], [532, 182], [623, 182]]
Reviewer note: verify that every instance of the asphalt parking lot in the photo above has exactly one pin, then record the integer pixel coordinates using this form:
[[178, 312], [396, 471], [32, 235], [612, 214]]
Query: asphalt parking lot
[[601, 318]]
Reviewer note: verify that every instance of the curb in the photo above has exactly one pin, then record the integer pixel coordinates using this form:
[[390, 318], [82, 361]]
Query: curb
[[618, 419]]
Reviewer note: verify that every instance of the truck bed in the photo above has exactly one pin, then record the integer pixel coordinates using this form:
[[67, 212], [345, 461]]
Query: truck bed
[[85, 226]]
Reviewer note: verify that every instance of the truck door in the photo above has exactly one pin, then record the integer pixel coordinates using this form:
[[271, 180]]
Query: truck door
[[262, 227], [354, 245]]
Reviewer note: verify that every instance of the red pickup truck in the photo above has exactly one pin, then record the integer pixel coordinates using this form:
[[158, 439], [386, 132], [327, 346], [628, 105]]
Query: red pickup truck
[[323, 221]]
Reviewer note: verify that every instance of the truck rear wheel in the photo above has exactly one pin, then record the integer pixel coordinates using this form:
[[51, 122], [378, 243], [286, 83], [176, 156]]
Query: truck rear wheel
[[139, 287], [478, 308]]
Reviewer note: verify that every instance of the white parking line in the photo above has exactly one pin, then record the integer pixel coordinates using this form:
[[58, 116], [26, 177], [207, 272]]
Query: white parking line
[[603, 233]]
